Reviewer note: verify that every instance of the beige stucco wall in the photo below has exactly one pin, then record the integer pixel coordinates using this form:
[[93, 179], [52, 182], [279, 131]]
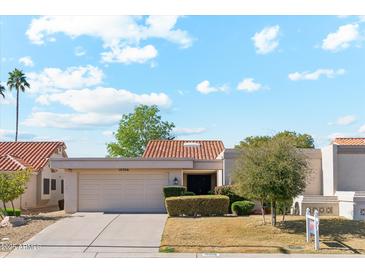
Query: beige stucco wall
[[29, 198], [351, 172], [314, 179]]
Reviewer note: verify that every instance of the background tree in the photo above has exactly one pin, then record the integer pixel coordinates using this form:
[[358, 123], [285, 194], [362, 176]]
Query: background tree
[[136, 129], [274, 171], [297, 139], [18, 81], [2, 91]]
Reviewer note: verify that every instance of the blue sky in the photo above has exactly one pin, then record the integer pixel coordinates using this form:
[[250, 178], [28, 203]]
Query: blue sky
[[215, 77]]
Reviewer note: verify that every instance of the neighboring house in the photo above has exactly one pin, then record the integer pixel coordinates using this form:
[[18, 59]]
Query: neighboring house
[[45, 186], [336, 185], [340, 190]]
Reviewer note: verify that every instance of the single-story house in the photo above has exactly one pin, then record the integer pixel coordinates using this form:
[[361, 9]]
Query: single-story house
[[46, 185], [335, 186]]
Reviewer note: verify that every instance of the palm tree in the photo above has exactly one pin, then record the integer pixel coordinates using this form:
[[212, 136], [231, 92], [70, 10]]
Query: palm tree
[[18, 81], [2, 90]]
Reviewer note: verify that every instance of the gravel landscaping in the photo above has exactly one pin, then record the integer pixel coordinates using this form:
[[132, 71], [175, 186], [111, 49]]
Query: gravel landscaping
[[35, 223]]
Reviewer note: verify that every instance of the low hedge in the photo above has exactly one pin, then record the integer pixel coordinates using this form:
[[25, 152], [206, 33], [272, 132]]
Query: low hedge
[[10, 212], [188, 193], [228, 190], [199, 205], [173, 191], [242, 208]]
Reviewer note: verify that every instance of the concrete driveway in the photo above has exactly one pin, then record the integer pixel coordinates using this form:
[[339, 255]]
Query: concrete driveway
[[97, 235]]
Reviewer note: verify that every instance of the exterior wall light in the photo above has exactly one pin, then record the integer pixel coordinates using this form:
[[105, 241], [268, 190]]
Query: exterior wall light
[[176, 181]]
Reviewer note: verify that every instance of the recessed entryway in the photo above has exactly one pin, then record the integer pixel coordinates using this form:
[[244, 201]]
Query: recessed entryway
[[200, 184]]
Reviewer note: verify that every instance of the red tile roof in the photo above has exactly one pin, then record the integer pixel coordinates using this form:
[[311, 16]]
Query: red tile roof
[[35, 155], [349, 141], [198, 150]]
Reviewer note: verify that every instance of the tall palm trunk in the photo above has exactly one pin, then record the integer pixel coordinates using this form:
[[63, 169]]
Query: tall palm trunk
[[17, 115]]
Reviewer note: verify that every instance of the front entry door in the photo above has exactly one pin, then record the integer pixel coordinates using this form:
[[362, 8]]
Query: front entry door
[[199, 184]]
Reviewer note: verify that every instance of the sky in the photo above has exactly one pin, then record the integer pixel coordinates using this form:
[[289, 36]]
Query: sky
[[215, 77]]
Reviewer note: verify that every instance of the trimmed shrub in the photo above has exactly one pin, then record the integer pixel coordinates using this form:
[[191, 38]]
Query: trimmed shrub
[[9, 212], [228, 191], [203, 205], [189, 193], [242, 208], [173, 191]]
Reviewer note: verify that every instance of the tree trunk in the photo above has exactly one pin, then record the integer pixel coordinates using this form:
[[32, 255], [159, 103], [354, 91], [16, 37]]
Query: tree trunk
[[273, 213], [12, 205], [263, 212], [5, 213], [284, 212], [17, 115]]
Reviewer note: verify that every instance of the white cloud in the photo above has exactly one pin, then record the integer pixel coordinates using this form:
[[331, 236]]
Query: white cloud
[[56, 79], [8, 100], [9, 135], [249, 85], [205, 87], [70, 120], [362, 129], [315, 75], [342, 38], [116, 32], [266, 40], [189, 131], [108, 133], [26, 61], [108, 100], [79, 51], [346, 120], [337, 135], [129, 55]]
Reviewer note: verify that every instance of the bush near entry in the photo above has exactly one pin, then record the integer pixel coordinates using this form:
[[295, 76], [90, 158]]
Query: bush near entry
[[200, 205], [173, 191], [242, 208], [10, 212], [228, 191], [189, 193]]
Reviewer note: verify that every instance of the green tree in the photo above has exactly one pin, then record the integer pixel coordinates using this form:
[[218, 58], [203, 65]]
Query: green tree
[[13, 185], [136, 129], [18, 81], [5, 189], [2, 90], [274, 171], [297, 139]]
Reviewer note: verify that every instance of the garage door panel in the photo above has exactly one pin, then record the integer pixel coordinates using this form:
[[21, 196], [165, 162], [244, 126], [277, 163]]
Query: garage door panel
[[132, 192]]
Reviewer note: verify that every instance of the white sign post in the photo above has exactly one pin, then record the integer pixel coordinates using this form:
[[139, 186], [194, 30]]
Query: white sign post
[[312, 227]]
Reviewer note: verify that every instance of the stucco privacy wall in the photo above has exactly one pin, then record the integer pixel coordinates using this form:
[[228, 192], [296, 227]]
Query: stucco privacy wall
[[351, 168], [72, 182], [314, 179], [329, 169]]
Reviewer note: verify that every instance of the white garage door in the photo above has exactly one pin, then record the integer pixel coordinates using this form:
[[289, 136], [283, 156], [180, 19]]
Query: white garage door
[[132, 192]]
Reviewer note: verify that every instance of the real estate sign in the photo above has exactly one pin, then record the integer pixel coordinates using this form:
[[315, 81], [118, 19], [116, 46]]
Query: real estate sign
[[312, 227]]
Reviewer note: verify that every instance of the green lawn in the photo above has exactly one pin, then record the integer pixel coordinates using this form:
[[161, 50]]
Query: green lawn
[[249, 235]]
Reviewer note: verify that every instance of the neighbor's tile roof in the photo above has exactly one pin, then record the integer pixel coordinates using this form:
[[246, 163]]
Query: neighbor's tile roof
[[207, 150], [349, 141], [35, 155]]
